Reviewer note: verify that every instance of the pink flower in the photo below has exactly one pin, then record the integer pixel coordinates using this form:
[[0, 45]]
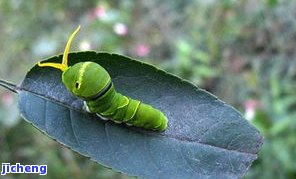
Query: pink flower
[[251, 106], [142, 50], [7, 99], [98, 12], [120, 29]]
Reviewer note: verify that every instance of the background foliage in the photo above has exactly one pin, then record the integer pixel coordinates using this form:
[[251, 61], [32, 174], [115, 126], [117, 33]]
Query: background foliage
[[242, 51]]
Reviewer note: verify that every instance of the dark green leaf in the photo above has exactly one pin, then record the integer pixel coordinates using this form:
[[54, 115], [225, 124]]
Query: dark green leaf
[[205, 138]]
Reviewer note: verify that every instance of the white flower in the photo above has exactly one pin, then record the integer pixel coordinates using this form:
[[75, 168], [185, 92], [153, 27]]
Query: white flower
[[120, 29], [84, 45]]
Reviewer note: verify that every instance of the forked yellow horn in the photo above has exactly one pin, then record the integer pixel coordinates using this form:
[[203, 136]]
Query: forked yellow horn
[[64, 65]]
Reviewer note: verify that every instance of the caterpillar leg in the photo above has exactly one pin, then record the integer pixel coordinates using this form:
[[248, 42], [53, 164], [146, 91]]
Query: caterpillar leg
[[86, 108], [102, 117]]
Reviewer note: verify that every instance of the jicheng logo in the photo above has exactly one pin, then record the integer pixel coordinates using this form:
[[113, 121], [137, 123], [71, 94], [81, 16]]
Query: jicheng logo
[[18, 168]]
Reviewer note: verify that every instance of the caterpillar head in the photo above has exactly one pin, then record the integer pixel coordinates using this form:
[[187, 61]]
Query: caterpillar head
[[84, 79]]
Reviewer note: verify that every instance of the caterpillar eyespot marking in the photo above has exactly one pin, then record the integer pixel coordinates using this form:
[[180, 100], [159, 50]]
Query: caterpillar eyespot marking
[[92, 83], [77, 85]]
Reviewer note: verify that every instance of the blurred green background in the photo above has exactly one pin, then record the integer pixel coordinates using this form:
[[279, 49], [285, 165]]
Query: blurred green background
[[241, 51]]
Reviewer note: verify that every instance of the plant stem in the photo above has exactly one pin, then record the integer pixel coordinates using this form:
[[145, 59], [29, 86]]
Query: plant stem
[[9, 86]]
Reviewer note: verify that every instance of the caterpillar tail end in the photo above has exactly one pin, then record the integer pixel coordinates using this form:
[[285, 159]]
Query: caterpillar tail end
[[163, 126]]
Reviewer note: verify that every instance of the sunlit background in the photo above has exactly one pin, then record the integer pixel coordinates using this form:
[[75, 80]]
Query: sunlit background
[[241, 51]]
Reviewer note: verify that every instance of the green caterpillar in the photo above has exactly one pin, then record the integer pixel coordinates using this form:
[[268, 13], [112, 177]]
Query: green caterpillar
[[91, 82]]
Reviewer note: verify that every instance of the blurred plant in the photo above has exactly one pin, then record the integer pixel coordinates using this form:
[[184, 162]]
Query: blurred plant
[[278, 123], [259, 64], [193, 63]]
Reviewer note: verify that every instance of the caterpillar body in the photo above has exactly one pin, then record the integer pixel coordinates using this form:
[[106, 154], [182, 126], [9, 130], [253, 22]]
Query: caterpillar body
[[91, 82]]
